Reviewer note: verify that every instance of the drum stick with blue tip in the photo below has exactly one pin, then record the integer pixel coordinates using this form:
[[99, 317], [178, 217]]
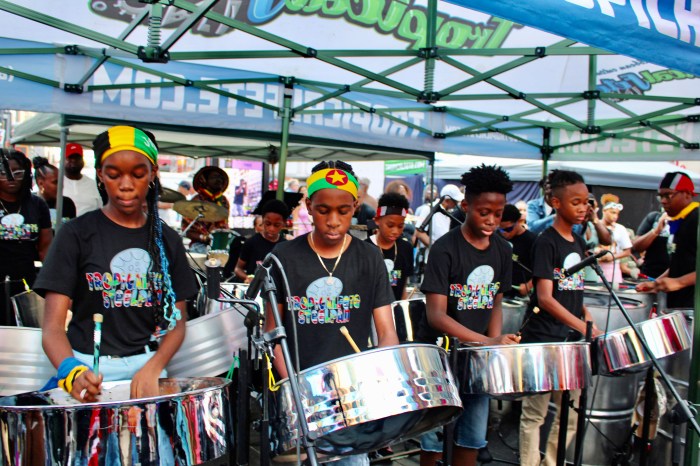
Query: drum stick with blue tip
[[97, 340], [345, 332]]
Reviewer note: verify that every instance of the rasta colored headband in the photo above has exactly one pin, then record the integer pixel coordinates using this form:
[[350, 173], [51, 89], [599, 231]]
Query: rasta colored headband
[[333, 178], [391, 210], [129, 138]]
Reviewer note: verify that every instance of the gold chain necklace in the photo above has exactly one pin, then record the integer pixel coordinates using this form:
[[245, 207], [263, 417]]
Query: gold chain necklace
[[7, 211], [329, 280]]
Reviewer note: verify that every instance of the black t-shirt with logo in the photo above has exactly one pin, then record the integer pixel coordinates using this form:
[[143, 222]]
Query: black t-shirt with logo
[[656, 260], [551, 254], [469, 277], [320, 305], [683, 244], [20, 224], [254, 251], [399, 264], [105, 268]]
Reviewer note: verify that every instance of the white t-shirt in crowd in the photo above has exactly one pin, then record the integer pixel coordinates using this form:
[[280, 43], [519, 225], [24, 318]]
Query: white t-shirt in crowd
[[84, 194]]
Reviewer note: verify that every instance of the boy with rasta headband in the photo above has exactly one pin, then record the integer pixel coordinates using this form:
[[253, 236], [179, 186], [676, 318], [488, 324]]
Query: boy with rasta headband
[[121, 262], [560, 298], [335, 280], [467, 273]]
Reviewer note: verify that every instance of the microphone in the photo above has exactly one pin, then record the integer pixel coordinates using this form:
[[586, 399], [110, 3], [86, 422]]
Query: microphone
[[259, 278], [436, 208], [584, 263], [213, 278]]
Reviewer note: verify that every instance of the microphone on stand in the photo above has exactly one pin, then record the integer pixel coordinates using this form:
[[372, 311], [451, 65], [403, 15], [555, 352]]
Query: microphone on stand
[[213, 278], [259, 278], [436, 208], [584, 263]]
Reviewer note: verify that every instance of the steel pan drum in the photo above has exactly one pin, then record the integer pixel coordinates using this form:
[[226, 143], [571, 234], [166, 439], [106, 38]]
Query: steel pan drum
[[189, 423], [621, 351], [23, 365], [408, 315], [29, 309], [523, 369], [369, 400], [212, 339], [513, 314], [597, 304]]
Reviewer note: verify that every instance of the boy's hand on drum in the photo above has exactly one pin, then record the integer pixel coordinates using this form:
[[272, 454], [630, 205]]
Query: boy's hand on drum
[[507, 339], [87, 387], [145, 383], [646, 286]]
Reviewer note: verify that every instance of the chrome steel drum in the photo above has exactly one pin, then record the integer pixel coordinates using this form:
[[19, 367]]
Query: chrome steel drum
[[29, 309], [513, 314], [599, 302], [211, 340], [408, 315], [221, 240], [23, 365], [523, 369], [369, 400], [621, 350], [189, 423]]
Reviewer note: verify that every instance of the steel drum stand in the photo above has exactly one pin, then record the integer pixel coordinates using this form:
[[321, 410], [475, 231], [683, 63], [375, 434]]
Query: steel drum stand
[[684, 412], [581, 421], [266, 343]]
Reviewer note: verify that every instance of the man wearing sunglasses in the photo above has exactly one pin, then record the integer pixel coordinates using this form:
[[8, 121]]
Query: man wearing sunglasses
[[676, 193], [516, 233]]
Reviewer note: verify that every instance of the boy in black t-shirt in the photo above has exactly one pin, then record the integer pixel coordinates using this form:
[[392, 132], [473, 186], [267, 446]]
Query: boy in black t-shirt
[[274, 214], [396, 250], [521, 239], [468, 270], [335, 280], [560, 299]]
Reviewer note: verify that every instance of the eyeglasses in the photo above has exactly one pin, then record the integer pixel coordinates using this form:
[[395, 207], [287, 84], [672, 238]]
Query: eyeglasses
[[507, 230], [17, 174], [666, 196]]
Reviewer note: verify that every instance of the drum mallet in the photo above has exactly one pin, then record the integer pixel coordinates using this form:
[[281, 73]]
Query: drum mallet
[[535, 310], [97, 340], [345, 332]]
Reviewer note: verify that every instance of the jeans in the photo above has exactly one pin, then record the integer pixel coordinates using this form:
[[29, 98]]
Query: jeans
[[470, 428], [119, 368]]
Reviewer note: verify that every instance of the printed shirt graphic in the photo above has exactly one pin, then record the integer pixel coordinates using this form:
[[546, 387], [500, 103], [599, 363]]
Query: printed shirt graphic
[[551, 254], [19, 233], [469, 277], [104, 267], [320, 305]]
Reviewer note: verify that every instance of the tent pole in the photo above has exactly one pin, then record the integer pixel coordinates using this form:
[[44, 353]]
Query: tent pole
[[286, 118], [61, 174], [692, 443], [546, 151]]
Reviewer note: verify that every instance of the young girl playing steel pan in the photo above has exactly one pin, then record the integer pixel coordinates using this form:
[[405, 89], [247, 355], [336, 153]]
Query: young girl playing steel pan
[[124, 263]]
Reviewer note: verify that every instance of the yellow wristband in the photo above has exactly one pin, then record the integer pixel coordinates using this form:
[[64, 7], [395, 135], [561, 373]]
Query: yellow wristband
[[67, 383]]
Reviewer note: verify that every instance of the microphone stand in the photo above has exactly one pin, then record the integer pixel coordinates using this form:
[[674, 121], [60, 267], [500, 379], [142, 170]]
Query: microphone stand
[[682, 405], [278, 335]]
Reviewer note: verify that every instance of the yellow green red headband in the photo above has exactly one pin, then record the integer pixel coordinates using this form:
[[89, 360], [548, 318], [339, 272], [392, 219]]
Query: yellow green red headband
[[333, 178], [130, 138]]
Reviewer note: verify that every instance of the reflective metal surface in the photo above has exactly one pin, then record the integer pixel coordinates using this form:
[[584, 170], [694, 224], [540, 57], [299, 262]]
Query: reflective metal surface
[[369, 400], [29, 309], [188, 424], [621, 350], [523, 369], [212, 339], [408, 315], [23, 365], [598, 302], [513, 314]]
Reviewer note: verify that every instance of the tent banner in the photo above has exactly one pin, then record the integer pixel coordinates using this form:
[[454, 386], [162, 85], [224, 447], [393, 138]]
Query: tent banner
[[665, 32]]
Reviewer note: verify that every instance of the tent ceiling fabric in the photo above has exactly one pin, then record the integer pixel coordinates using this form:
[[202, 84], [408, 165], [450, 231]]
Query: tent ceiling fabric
[[45, 129], [406, 76]]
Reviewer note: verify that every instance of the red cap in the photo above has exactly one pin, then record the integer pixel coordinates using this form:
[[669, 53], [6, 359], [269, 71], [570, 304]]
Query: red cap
[[73, 148]]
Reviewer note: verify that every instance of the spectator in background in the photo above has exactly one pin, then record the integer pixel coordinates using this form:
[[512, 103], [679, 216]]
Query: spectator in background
[[652, 241], [363, 196], [292, 186], [522, 208], [301, 220], [521, 240], [239, 195], [540, 214], [46, 176], [430, 195], [621, 246], [184, 187], [80, 188], [440, 224]]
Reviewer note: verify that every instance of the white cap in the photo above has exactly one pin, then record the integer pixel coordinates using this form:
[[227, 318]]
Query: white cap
[[453, 192]]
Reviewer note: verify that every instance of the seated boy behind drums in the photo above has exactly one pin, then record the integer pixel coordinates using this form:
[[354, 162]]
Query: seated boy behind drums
[[468, 270], [560, 299], [329, 266]]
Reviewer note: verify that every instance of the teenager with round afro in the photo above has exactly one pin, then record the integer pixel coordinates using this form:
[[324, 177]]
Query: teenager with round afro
[[486, 179]]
